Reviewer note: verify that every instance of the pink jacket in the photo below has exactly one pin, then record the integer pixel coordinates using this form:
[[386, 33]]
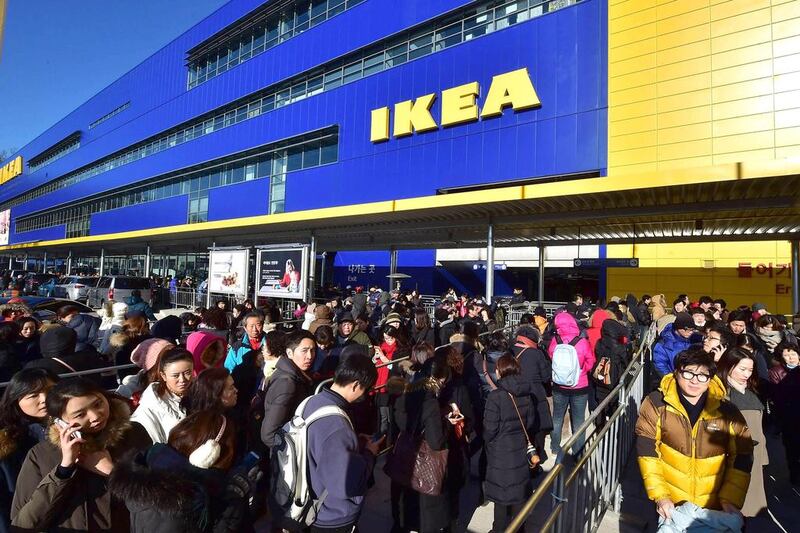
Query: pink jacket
[[567, 328]]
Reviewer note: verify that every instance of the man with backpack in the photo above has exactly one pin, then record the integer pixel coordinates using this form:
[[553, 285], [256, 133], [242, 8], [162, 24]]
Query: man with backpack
[[572, 361], [331, 463]]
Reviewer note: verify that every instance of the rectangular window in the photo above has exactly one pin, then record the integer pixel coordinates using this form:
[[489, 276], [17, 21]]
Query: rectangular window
[[294, 158], [421, 46], [373, 64]]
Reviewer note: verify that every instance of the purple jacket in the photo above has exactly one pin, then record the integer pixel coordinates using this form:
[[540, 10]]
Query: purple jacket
[[336, 463]]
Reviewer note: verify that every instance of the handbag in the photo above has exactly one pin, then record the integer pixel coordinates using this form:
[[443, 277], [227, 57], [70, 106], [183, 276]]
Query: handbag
[[602, 372], [415, 465], [530, 450]]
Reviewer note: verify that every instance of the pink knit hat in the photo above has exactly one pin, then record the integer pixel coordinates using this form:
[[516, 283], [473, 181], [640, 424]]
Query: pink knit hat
[[146, 354]]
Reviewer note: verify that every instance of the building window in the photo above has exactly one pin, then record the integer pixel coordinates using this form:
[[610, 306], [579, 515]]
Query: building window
[[57, 151], [276, 28], [273, 163], [107, 116]]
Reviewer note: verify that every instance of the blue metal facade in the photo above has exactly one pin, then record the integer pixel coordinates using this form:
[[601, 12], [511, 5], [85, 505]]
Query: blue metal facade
[[565, 51]]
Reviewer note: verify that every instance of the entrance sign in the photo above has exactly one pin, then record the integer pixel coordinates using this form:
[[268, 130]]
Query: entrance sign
[[282, 272], [459, 106], [608, 262], [227, 271]]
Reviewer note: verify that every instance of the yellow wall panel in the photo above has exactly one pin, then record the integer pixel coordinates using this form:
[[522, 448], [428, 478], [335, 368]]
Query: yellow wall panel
[[682, 53], [623, 170], [741, 56], [786, 11], [751, 71], [640, 33], [629, 51], [762, 34], [744, 21], [788, 117], [635, 79], [684, 68], [682, 101], [636, 109], [617, 9], [632, 157], [743, 89], [628, 96], [685, 84], [745, 106], [678, 7], [787, 82], [635, 19], [787, 151], [682, 37], [734, 126], [686, 162], [744, 141], [787, 136], [684, 133], [687, 20], [744, 155], [785, 28], [684, 116], [640, 140], [783, 47], [787, 64], [737, 7], [685, 149], [634, 125], [635, 64]]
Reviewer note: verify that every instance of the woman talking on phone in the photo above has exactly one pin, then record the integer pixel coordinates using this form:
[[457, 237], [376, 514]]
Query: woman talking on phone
[[62, 484]]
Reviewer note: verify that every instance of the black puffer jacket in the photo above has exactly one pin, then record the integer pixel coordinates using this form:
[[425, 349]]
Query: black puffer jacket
[[287, 387], [508, 478], [537, 372], [610, 345], [86, 328]]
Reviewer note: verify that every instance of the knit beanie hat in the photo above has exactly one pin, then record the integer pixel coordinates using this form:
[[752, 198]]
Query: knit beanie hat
[[145, 355], [119, 309]]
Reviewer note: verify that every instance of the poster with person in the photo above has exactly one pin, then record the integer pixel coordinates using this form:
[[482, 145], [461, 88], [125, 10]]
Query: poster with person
[[228, 272], [282, 272], [5, 226]]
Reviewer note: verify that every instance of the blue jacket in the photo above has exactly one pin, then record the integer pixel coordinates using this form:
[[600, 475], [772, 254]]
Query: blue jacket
[[86, 328], [336, 463], [668, 346], [135, 303], [238, 349]]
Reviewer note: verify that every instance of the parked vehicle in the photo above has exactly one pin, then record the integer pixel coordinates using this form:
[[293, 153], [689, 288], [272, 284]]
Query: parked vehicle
[[45, 309], [75, 288], [32, 282], [48, 288], [117, 288]]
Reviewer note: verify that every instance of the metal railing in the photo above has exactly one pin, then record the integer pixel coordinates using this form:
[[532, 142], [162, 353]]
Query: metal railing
[[580, 496], [110, 370]]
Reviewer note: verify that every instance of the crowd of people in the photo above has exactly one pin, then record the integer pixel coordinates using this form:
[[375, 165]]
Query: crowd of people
[[190, 425]]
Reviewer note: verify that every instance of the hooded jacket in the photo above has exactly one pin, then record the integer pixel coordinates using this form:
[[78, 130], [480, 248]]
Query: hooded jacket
[[668, 346], [198, 341], [86, 328], [705, 464], [596, 323], [536, 371], [658, 307], [158, 414], [611, 345], [507, 474], [567, 328], [135, 303], [322, 317], [45, 502], [235, 352], [59, 343], [168, 328], [287, 387]]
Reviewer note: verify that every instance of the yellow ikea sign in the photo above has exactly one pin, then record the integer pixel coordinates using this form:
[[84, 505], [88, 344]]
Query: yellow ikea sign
[[459, 105], [12, 169]]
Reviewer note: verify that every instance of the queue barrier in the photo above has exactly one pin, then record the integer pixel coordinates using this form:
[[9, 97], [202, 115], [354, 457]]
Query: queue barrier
[[579, 496], [103, 370]]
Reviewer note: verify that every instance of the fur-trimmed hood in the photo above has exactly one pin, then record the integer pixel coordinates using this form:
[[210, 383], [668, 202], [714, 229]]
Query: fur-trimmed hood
[[118, 339], [16, 306], [7, 445], [112, 435]]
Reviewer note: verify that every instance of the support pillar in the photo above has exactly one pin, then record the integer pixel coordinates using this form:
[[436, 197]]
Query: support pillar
[[69, 263], [541, 273], [102, 260], [392, 266], [322, 270], [312, 268], [490, 264], [25, 268], [147, 262], [796, 277], [11, 262], [44, 264]]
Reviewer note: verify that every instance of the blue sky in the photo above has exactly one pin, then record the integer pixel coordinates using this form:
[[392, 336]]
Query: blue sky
[[56, 54]]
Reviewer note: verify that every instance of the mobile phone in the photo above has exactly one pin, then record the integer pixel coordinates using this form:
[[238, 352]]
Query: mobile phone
[[378, 436], [60, 423]]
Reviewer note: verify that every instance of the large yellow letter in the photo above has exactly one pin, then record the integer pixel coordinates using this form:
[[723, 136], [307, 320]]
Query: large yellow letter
[[458, 104], [414, 115], [513, 89], [379, 128]]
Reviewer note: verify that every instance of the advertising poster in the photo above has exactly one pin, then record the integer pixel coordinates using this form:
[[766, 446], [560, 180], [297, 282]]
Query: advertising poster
[[5, 226], [282, 272], [228, 271]]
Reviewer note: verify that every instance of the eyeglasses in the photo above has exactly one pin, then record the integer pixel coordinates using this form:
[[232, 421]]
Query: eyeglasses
[[689, 376]]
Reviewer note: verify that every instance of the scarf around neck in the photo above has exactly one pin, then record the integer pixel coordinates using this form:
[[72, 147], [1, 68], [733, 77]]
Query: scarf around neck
[[736, 385]]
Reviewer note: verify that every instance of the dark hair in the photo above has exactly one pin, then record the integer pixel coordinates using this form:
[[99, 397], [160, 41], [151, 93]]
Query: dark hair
[[470, 330], [27, 381], [497, 342], [294, 339], [325, 337], [421, 319], [25, 319], [221, 301], [646, 297], [275, 341], [697, 311], [253, 314], [421, 352], [9, 331], [197, 428], [744, 341], [677, 301], [727, 338], [216, 318], [205, 392], [706, 300], [683, 297], [576, 296], [507, 366], [135, 326], [168, 356], [739, 315], [785, 344], [526, 318], [529, 332], [136, 293], [440, 369], [730, 359], [695, 356], [65, 310], [63, 391], [356, 368], [721, 302], [769, 320], [186, 318]]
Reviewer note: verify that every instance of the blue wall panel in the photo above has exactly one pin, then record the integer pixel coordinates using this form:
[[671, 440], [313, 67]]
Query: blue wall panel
[[44, 234], [564, 51], [166, 212], [246, 199]]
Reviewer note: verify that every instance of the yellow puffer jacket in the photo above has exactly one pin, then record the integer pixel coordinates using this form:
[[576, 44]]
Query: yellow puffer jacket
[[704, 464]]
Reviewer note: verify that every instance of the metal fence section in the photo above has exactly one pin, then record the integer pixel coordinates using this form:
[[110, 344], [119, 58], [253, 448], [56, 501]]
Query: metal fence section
[[581, 494], [514, 312], [103, 370]]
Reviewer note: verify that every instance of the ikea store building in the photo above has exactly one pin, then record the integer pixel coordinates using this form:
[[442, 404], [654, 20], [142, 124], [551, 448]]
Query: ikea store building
[[647, 139]]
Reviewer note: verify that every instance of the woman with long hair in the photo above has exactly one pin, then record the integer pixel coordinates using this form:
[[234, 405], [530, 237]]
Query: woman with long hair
[[23, 418], [160, 404], [737, 370], [213, 388], [63, 482], [27, 344], [121, 344], [421, 330]]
